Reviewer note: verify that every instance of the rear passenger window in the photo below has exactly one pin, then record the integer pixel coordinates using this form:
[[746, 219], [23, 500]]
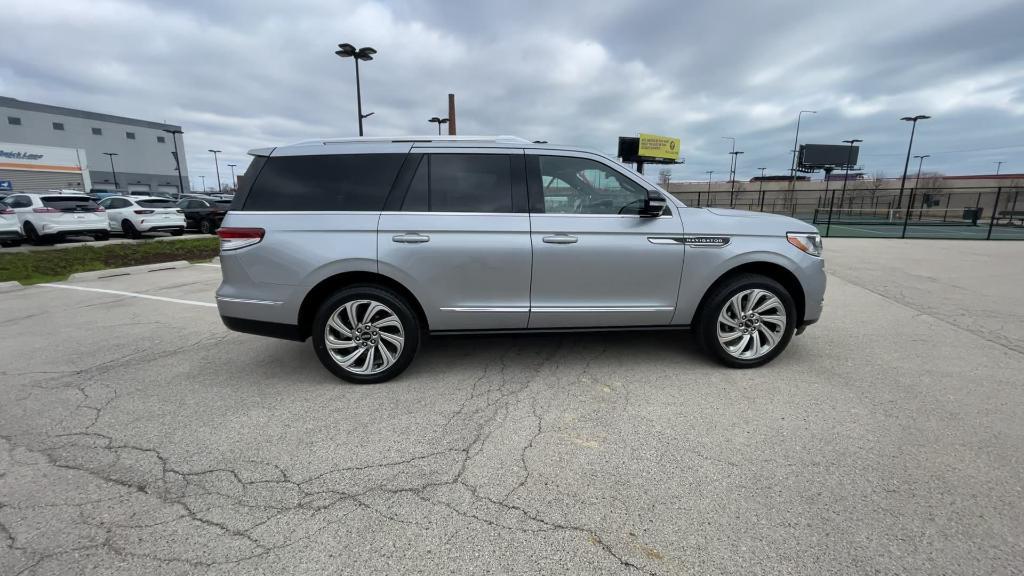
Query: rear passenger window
[[461, 183], [352, 182]]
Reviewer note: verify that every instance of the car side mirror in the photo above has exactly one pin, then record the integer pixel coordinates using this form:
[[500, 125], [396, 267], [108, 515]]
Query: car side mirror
[[654, 206]]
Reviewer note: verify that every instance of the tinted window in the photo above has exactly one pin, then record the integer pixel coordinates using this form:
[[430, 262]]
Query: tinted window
[[97, 131], [581, 186], [70, 203], [120, 203], [469, 183], [417, 200], [14, 121], [58, 125], [357, 182], [129, 135], [19, 201], [156, 203], [161, 139]]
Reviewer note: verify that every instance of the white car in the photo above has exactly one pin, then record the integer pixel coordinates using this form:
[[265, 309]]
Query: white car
[[48, 217], [134, 215], [10, 228]]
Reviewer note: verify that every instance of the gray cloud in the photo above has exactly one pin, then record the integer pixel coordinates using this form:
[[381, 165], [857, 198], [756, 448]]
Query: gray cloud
[[239, 75]]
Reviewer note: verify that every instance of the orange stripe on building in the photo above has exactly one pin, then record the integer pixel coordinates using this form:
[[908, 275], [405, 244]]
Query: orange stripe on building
[[40, 167]]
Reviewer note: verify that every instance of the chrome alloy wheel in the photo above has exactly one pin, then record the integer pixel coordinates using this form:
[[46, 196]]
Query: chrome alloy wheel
[[364, 337], [751, 324]]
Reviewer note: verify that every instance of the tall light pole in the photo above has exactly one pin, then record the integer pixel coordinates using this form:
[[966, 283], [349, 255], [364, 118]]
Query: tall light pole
[[203, 178], [920, 161], [760, 187], [216, 165], [849, 160], [114, 172], [913, 120], [732, 186], [709, 173], [999, 165], [234, 182], [177, 160], [731, 151], [438, 121], [365, 54], [796, 143]]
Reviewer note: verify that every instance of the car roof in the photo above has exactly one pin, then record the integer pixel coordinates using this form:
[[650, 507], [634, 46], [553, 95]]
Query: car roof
[[407, 143], [141, 198]]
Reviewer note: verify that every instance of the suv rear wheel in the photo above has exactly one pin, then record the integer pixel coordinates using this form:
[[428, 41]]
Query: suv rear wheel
[[747, 321], [366, 334]]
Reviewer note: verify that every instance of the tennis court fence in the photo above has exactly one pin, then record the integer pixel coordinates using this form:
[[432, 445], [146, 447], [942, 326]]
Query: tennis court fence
[[961, 212]]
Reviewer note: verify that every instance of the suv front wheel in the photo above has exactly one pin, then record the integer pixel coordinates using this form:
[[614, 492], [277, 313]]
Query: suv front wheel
[[747, 321], [366, 334]]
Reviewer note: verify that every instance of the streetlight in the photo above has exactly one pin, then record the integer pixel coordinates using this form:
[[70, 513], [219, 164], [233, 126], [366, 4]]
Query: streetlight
[[920, 161], [999, 165], [913, 120], [732, 186], [216, 165], [234, 181], [849, 159], [796, 143], [439, 121], [114, 172], [203, 178], [177, 160], [366, 53], [760, 187], [732, 170], [709, 173]]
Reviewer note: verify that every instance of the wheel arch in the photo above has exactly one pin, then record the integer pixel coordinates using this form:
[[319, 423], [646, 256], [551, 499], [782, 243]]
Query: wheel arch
[[336, 282], [772, 270]]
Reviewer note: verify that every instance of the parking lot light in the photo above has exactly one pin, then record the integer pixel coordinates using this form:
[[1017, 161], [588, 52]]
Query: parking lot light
[[114, 172], [216, 165], [177, 159], [913, 120], [439, 122], [365, 54]]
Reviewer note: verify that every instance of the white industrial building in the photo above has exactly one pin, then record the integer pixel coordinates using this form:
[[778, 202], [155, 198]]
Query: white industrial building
[[46, 147]]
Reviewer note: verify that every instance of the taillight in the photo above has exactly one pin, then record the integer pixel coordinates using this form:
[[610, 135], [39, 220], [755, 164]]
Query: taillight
[[145, 211], [7, 211], [46, 210], [100, 209], [235, 238]]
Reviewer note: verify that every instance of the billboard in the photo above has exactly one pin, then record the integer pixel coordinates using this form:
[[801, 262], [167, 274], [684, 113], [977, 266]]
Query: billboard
[[663, 147], [649, 148], [814, 156]]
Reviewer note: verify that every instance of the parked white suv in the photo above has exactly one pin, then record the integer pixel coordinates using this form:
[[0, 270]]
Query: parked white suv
[[132, 215], [48, 217], [10, 228]]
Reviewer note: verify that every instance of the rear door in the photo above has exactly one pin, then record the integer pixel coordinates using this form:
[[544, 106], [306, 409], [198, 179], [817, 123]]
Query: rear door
[[457, 233], [596, 261]]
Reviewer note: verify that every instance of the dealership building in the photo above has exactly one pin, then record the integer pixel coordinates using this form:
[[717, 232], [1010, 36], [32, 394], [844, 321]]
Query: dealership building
[[45, 147]]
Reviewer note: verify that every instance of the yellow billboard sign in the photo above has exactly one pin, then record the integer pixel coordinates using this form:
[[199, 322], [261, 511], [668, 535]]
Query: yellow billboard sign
[[654, 146]]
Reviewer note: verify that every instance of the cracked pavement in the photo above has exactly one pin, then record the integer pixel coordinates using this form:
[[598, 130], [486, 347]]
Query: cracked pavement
[[140, 436]]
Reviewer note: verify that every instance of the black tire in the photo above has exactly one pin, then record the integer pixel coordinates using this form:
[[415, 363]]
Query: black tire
[[720, 296], [395, 304], [206, 226], [177, 232], [129, 230], [34, 237], [101, 236]]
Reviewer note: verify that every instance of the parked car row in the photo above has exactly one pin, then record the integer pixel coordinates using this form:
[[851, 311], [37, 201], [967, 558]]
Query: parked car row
[[47, 218]]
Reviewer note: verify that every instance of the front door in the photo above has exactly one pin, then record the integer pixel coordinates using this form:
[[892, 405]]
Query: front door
[[596, 260], [459, 237]]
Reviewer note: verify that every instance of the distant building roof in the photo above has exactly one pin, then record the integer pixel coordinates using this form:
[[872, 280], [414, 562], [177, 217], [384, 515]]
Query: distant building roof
[[8, 102]]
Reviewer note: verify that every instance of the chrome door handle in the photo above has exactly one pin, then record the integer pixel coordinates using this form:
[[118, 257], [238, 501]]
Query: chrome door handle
[[560, 239], [410, 238]]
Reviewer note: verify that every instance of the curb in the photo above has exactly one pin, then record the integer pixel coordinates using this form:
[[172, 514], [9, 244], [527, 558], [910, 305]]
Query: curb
[[6, 287], [112, 272]]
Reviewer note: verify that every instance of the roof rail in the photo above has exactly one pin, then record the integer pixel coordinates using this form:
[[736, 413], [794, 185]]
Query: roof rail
[[402, 139]]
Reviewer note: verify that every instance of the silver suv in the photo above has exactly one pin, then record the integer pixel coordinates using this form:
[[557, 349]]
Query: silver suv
[[367, 244]]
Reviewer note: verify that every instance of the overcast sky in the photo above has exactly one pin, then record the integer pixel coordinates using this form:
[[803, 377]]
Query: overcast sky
[[251, 73]]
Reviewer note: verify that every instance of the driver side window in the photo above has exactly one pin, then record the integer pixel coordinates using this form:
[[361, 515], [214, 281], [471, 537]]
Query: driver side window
[[581, 186]]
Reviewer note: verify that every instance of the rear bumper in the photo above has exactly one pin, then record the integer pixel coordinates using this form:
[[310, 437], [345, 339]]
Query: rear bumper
[[12, 234], [162, 225], [260, 328], [84, 229]]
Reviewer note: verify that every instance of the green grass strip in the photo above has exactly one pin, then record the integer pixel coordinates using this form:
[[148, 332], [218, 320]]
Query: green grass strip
[[55, 265]]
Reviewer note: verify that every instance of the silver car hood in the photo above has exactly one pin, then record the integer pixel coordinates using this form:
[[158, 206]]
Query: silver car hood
[[745, 222]]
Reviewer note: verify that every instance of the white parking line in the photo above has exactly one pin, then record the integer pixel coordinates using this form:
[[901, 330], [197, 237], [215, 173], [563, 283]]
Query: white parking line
[[207, 264], [132, 294]]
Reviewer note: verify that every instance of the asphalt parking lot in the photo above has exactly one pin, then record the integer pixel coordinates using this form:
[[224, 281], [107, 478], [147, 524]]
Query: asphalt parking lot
[[137, 435]]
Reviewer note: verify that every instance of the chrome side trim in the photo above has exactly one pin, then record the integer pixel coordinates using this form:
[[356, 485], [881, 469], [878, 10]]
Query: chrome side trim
[[607, 309], [484, 309], [666, 239], [245, 301]]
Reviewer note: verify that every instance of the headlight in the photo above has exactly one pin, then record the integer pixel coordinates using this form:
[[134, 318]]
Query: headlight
[[806, 241]]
